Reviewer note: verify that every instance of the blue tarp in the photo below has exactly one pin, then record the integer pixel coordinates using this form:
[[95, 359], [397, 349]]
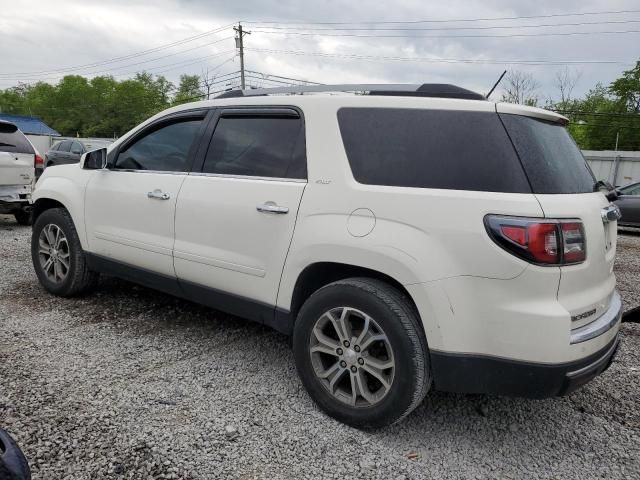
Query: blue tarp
[[29, 125]]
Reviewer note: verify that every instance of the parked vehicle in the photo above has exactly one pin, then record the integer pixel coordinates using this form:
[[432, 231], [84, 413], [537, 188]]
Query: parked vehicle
[[629, 203], [414, 237], [20, 164], [65, 152]]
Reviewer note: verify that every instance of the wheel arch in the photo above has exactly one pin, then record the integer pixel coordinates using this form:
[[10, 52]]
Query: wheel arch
[[318, 274]]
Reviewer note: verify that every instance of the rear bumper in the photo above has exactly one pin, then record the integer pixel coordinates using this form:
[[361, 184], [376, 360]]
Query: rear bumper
[[15, 193], [472, 373], [482, 374]]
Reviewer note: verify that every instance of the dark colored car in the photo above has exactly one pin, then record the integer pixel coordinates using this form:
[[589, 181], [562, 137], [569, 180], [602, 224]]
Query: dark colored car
[[64, 152], [629, 203]]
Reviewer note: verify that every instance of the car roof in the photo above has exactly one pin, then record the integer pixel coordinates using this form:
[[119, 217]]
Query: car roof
[[440, 96]]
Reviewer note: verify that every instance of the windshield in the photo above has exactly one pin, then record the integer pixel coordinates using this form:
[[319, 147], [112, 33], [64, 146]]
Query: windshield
[[551, 159]]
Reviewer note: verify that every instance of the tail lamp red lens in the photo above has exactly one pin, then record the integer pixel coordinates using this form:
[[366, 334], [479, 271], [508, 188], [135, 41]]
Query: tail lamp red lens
[[544, 242], [38, 161]]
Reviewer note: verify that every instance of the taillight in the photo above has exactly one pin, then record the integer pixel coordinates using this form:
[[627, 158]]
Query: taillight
[[38, 161], [540, 241]]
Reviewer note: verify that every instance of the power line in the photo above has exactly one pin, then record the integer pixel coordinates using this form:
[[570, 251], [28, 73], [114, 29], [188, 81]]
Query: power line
[[124, 57], [512, 35], [144, 61], [450, 20], [435, 60], [422, 29]]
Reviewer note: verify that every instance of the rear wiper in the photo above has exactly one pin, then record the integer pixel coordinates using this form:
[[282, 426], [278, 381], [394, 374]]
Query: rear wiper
[[602, 185], [2, 144]]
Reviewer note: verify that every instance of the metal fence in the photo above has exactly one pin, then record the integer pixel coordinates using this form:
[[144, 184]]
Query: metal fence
[[620, 168]]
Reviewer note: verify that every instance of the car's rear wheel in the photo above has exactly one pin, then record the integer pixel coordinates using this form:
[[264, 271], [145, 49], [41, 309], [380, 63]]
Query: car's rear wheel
[[361, 352], [57, 255]]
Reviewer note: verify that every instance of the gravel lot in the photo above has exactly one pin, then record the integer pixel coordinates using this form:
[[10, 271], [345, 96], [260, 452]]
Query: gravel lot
[[129, 383]]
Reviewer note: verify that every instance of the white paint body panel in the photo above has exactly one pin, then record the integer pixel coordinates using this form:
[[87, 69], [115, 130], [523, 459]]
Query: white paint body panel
[[124, 224], [224, 242]]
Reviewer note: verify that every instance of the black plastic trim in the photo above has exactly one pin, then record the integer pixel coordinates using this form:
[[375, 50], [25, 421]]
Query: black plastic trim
[[266, 314], [469, 373]]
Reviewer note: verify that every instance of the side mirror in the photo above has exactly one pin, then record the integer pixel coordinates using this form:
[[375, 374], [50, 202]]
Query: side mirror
[[94, 160]]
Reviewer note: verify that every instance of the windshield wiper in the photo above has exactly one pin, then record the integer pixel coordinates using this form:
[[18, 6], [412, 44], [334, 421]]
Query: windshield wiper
[[602, 185], [2, 144]]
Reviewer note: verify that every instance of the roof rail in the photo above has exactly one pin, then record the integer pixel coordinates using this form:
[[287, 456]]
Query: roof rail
[[441, 90]]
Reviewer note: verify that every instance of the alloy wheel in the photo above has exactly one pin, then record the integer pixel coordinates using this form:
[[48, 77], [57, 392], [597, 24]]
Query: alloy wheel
[[352, 357], [53, 253]]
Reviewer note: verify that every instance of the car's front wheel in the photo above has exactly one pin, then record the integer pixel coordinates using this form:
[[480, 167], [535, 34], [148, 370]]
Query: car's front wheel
[[57, 255], [361, 352]]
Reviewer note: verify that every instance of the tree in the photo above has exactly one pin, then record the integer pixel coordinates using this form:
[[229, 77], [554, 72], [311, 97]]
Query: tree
[[565, 81], [189, 89], [627, 89], [521, 88]]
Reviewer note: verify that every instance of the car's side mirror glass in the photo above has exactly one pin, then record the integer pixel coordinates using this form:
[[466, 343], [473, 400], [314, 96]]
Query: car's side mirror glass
[[95, 160]]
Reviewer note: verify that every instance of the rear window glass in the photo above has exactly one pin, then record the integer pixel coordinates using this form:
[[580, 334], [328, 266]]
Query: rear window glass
[[552, 160], [457, 150], [14, 141]]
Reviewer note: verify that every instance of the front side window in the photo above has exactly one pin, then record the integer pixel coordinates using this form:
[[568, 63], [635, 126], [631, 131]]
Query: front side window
[[165, 149], [631, 189], [258, 146], [76, 148]]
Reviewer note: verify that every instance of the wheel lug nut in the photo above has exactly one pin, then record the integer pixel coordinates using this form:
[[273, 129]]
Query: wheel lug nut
[[361, 361], [343, 364], [356, 348], [346, 343], [339, 351], [354, 369]]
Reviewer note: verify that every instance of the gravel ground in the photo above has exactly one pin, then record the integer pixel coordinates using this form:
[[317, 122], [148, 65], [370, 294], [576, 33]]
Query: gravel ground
[[129, 383]]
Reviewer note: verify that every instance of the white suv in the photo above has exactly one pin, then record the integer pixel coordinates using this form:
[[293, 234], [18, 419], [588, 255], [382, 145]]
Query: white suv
[[407, 237]]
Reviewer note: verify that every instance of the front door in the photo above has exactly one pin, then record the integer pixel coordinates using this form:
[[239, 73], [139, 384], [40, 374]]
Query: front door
[[130, 207], [235, 217]]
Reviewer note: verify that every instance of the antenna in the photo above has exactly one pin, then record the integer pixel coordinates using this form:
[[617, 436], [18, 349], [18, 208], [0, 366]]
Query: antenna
[[496, 84]]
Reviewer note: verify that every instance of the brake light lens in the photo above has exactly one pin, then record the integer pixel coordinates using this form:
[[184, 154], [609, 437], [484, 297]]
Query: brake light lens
[[38, 161], [543, 242]]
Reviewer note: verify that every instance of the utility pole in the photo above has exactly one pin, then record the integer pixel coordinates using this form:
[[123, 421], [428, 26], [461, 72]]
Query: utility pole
[[240, 46]]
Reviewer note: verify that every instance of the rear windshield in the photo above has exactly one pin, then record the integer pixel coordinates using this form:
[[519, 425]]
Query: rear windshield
[[459, 150], [552, 160], [13, 141]]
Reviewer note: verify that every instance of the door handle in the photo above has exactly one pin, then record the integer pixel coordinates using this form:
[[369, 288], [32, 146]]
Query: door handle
[[159, 195], [271, 207]]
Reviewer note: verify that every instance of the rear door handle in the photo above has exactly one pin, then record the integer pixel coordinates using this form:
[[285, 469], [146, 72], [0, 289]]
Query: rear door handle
[[271, 207], [159, 194]]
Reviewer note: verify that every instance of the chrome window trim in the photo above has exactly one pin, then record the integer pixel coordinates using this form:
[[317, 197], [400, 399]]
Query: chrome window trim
[[602, 324], [129, 170], [249, 177]]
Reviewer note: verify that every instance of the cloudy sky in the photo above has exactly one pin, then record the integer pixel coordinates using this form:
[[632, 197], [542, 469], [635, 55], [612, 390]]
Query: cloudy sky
[[333, 41]]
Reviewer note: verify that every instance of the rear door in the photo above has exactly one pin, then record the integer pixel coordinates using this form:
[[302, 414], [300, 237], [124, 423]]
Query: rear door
[[563, 184], [235, 216], [16, 156]]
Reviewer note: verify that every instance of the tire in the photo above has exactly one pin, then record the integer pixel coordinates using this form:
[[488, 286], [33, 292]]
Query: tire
[[23, 217], [391, 316], [76, 278]]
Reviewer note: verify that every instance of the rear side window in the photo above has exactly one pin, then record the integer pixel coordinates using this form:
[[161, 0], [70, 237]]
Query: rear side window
[[165, 149], [258, 146], [448, 149], [552, 160], [13, 140]]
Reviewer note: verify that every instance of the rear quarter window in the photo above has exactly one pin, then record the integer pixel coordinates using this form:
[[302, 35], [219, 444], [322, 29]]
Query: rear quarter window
[[551, 159], [448, 149]]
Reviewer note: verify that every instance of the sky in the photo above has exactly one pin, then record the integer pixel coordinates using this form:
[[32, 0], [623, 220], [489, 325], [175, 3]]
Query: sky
[[468, 43]]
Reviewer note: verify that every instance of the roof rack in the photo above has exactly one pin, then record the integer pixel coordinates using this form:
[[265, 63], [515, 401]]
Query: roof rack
[[440, 90]]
